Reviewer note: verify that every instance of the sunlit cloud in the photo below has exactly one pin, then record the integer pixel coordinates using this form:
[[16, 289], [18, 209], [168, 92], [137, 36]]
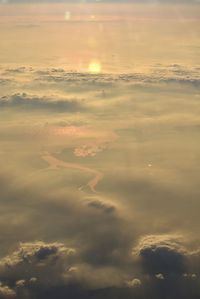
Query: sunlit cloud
[[99, 150]]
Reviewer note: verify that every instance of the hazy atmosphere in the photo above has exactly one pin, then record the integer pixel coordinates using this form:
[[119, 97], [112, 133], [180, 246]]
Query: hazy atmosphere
[[99, 149]]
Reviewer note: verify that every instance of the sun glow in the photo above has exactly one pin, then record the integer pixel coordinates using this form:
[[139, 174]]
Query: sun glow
[[94, 67]]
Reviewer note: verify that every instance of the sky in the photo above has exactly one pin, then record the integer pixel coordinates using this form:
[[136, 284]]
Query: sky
[[99, 151], [104, 1]]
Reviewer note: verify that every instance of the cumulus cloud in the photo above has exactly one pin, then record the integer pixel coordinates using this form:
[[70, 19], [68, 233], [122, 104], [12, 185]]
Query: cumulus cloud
[[7, 293], [34, 261], [134, 283], [160, 276], [37, 269], [167, 255], [47, 270], [162, 254]]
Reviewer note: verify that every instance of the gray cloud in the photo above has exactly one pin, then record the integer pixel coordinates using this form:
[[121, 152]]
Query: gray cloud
[[101, 205], [36, 260], [51, 270], [29, 102], [159, 74], [162, 254], [7, 293]]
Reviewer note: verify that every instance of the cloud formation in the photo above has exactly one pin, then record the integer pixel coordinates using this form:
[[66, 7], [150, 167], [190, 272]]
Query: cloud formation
[[39, 268], [35, 261], [136, 135], [162, 254], [174, 73], [29, 102]]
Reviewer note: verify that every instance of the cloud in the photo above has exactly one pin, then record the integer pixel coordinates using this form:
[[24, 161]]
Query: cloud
[[134, 283], [51, 270], [160, 276], [89, 150], [36, 260], [38, 267], [121, 241], [17, 70], [162, 254], [7, 293], [174, 73], [5, 81], [102, 206], [30, 102]]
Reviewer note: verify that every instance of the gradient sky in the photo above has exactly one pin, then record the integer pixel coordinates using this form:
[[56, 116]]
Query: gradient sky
[[104, 1]]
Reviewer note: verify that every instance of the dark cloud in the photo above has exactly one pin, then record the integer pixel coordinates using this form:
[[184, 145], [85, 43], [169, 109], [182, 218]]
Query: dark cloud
[[7, 293], [162, 255], [36, 260], [101, 205], [51, 270]]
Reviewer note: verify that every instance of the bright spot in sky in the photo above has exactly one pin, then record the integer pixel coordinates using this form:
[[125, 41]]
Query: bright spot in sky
[[67, 15], [95, 67]]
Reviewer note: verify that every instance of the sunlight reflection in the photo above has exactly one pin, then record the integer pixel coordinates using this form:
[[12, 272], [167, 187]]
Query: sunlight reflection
[[94, 67], [67, 15]]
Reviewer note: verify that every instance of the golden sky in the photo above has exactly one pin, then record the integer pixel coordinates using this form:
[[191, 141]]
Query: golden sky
[[121, 37], [99, 151]]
